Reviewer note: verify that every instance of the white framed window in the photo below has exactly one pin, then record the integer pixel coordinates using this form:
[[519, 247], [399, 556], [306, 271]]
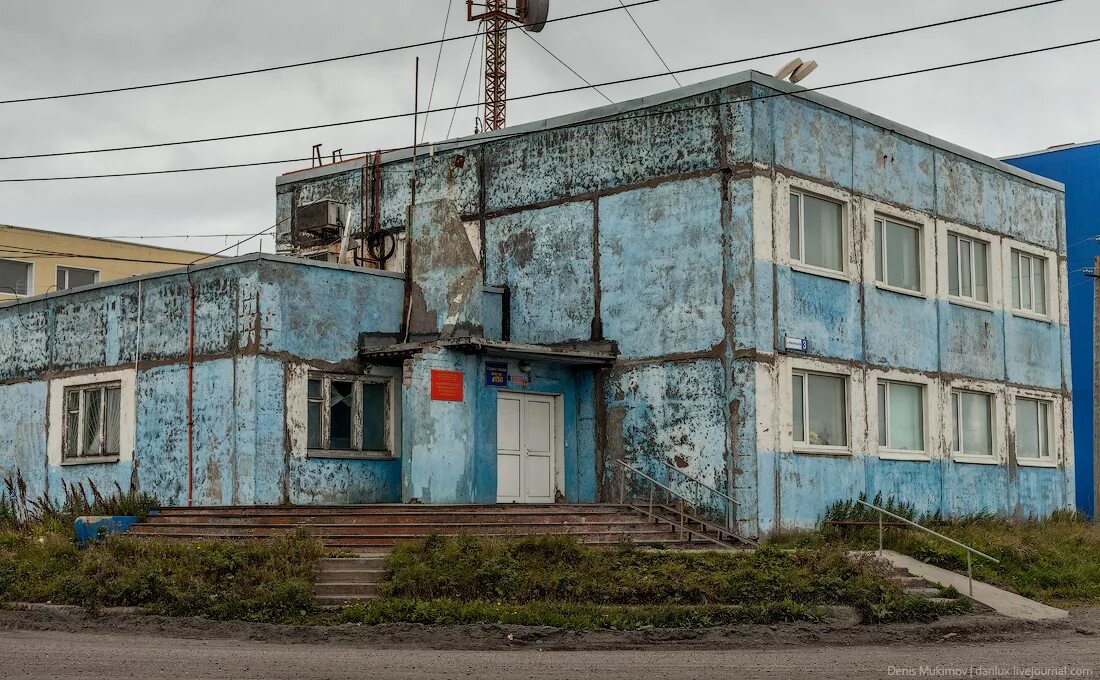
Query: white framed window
[[901, 417], [972, 424], [819, 409], [74, 277], [16, 277], [92, 421], [1033, 429], [898, 254], [349, 414], [968, 268], [817, 234], [1029, 272]]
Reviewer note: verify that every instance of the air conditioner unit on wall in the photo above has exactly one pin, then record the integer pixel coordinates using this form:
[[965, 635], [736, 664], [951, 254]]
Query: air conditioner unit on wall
[[320, 221]]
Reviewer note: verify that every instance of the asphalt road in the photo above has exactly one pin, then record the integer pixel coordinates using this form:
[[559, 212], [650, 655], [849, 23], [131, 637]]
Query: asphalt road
[[40, 655]]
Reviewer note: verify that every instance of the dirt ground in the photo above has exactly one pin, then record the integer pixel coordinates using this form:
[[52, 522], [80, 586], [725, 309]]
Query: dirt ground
[[1082, 627], [42, 655]]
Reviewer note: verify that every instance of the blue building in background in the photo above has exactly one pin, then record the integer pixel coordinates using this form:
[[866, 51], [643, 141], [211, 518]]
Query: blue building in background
[[789, 298], [1078, 167]]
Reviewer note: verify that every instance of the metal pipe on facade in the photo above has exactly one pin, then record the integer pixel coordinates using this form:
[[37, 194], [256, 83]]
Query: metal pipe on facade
[[191, 397], [412, 207]]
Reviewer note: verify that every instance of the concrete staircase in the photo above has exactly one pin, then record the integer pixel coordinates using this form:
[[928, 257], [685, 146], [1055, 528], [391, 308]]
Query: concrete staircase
[[377, 528], [347, 580]]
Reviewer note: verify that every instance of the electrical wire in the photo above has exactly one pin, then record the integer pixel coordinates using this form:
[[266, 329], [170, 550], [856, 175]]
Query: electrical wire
[[462, 86], [664, 112], [620, 81], [651, 45], [568, 67], [312, 62], [435, 75]]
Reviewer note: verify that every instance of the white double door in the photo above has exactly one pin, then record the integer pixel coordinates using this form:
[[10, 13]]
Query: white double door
[[526, 447]]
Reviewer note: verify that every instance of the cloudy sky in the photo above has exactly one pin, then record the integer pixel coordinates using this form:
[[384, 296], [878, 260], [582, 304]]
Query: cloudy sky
[[59, 46]]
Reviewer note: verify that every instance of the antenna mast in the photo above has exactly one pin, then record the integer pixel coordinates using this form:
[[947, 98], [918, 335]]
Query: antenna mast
[[497, 17]]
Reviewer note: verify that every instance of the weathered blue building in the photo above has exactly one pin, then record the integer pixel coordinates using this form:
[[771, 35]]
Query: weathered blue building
[[787, 297], [1078, 167]]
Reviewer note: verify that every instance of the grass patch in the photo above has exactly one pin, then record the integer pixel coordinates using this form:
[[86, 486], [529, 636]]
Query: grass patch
[[270, 581], [474, 579], [1055, 561]]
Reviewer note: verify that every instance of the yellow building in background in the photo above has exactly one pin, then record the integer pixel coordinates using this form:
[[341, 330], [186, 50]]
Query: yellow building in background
[[33, 261]]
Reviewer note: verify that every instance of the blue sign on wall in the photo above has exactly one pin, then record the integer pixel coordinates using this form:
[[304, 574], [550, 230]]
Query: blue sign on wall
[[496, 374]]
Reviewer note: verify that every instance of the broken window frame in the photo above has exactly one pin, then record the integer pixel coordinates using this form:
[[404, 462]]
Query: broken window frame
[[797, 231], [67, 271], [800, 404], [324, 401], [74, 443]]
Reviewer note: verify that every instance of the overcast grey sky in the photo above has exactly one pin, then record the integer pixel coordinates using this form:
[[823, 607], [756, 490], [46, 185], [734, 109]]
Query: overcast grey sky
[[55, 46]]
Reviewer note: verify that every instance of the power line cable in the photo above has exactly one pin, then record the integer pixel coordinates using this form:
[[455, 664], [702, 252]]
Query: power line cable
[[312, 62], [462, 86], [665, 112], [620, 81], [651, 45], [435, 75], [568, 67]]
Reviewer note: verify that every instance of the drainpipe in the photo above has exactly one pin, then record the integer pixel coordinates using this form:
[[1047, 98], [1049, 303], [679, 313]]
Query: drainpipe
[[190, 398]]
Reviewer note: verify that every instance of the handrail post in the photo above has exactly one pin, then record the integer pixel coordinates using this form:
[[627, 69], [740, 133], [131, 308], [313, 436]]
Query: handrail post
[[651, 488], [969, 573], [880, 535], [622, 487]]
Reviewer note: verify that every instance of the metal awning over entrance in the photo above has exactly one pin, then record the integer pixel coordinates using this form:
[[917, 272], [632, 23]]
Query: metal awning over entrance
[[590, 355]]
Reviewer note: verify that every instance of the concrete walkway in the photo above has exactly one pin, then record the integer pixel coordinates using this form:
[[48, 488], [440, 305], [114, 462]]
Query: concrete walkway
[[1002, 601]]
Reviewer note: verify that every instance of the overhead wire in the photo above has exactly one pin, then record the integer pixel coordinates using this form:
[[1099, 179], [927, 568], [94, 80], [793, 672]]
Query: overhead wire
[[650, 43], [545, 93], [435, 75], [311, 62], [664, 112], [568, 67], [462, 86]]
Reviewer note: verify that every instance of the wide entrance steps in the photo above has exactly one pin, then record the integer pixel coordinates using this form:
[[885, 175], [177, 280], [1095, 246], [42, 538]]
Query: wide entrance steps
[[375, 528]]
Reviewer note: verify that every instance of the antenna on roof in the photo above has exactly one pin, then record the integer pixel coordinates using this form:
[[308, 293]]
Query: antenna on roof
[[532, 15]]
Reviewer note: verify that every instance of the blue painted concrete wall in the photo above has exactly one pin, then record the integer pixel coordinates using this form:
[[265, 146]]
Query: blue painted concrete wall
[[1078, 167]]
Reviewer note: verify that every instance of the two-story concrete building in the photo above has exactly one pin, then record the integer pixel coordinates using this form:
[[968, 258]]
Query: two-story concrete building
[[789, 298]]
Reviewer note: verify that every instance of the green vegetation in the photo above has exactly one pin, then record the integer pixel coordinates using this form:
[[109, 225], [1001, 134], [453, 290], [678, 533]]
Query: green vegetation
[[19, 512], [1055, 560], [552, 580]]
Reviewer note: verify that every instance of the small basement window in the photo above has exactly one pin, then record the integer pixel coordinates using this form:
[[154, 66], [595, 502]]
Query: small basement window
[[819, 409], [1033, 429], [15, 277], [897, 254], [972, 434], [967, 268], [349, 414], [73, 277], [92, 415], [1029, 282], [817, 231]]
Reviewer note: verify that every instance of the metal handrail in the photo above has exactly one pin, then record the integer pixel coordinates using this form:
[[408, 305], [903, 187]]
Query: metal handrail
[[683, 499], [968, 549], [731, 503]]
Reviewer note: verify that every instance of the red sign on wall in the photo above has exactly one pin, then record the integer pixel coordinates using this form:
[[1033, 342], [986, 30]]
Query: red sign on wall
[[446, 385]]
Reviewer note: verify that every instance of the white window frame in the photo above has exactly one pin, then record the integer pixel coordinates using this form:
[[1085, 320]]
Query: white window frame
[[30, 278], [56, 408], [1052, 278], [805, 368], [356, 451], [785, 186], [995, 265], [880, 244], [927, 414], [71, 450], [996, 414], [1056, 414], [971, 299], [872, 211], [65, 268]]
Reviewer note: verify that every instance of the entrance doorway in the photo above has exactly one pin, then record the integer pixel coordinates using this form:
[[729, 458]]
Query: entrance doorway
[[527, 447]]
